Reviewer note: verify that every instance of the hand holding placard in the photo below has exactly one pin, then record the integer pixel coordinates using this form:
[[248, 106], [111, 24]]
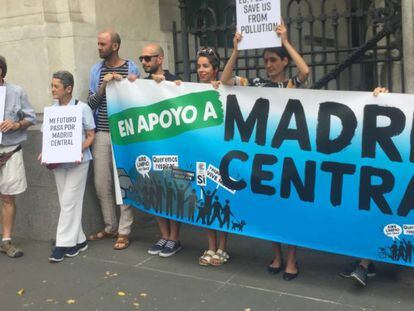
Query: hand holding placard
[[281, 32]]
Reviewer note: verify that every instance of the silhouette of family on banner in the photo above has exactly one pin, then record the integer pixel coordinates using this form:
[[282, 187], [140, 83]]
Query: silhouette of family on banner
[[166, 195], [401, 250]]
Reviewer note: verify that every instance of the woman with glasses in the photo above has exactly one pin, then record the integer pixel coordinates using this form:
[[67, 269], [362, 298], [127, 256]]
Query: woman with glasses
[[276, 61], [208, 65]]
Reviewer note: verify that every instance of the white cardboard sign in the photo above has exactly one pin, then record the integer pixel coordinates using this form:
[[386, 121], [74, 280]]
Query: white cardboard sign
[[62, 134], [201, 173], [256, 21], [162, 162], [213, 173], [2, 104]]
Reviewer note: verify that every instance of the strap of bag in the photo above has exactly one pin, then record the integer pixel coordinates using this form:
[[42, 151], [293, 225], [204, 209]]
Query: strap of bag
[[4, 157]]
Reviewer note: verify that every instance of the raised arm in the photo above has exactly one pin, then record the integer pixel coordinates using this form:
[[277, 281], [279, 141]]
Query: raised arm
[[227, 75], [303, 69]]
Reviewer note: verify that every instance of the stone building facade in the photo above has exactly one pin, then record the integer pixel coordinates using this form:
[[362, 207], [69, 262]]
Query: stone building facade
[[38, 37]]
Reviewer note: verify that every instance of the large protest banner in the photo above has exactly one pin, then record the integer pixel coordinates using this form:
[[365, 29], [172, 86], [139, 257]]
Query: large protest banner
[[321, 169]]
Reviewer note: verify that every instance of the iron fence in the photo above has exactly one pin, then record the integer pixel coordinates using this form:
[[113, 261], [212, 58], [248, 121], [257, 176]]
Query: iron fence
[[349, 44]]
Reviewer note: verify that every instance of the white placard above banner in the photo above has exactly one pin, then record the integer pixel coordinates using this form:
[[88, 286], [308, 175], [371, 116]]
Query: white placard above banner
[[62, 134], [256, 21], [2, 103]]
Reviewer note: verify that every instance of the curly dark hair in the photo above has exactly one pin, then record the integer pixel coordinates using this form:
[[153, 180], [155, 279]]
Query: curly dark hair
[[211, 54]]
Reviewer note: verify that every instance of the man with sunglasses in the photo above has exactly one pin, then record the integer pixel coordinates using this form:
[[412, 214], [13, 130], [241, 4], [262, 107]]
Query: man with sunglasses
[[152, 57], [111, 67]]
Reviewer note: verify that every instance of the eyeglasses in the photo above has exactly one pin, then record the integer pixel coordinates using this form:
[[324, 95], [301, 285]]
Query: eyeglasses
[[147, 58], [207, 51]]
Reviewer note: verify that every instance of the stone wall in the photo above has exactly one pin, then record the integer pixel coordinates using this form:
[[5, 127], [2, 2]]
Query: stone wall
[[39, 37]]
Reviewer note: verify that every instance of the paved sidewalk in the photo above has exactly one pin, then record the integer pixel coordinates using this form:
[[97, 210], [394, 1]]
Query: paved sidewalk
[[95, 279]]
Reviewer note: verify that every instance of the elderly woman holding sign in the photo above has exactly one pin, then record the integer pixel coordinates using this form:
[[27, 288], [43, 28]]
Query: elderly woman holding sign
[[71, 177]]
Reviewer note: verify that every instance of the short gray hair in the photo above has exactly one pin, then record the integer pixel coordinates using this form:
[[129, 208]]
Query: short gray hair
[[65, 77]]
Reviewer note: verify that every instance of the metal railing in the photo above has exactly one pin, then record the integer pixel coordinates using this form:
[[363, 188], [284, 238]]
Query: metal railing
[[349, 44]]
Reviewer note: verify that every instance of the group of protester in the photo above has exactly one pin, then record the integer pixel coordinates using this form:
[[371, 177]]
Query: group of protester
[[96, 144]]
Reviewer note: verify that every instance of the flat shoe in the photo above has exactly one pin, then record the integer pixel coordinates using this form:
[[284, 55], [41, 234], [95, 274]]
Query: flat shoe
[[205, 259], [219, 258], [290, 276], [274, 270]]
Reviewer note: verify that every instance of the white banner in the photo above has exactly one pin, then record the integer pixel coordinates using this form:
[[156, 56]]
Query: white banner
[[256, 21], [62, 134]]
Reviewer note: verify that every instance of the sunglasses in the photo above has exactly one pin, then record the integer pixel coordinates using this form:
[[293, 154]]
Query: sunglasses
[[207, 51], [147, 58]]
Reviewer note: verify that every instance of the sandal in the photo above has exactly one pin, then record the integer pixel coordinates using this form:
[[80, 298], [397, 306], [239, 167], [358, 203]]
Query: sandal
[[219, 258], [100, 235], [205, 259], [122, 242], [10, 250]]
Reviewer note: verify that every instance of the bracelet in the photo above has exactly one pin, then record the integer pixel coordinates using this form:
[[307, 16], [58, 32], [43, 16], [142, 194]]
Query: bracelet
[[20, 125]]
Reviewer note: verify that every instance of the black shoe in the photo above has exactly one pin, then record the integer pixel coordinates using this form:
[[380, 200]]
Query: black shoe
[[290, 276], [346, 273], [274, 270], [360, 275]]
